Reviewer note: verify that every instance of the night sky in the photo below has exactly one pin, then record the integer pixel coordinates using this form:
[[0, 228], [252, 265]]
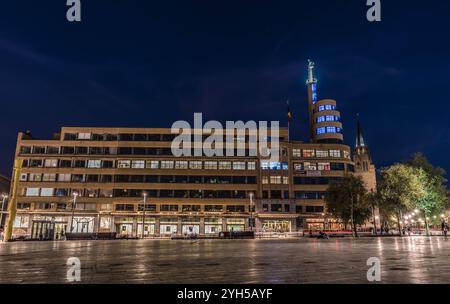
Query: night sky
[[149, 63]]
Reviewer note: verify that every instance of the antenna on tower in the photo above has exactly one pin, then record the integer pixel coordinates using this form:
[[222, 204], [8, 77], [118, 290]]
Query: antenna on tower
[[311, 78]]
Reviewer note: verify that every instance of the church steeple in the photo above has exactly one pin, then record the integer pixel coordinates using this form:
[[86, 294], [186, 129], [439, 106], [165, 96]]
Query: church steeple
[[359, 134]]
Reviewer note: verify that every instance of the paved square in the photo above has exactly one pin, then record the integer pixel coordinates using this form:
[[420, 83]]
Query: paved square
[[403, 260]]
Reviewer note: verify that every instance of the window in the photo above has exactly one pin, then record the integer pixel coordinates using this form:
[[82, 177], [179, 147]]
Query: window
[[84, 136], [138, 164], [47, 191], [275, 208], [180, 164], [275, 180], [265, 180], [35, 163], [49, 177], [251, 165], [238, 165], [308, 153], [321, 153], [190, 208], [346, 154], [23, 205], [124, 164], [335, 153], [51, 163], [265, 165], [314, 209], [323, 166], [79, 164], [94, 163], [35, 177], [195, 165], [43, 206], [211, 165], [124, 207], [65, 163], [320, 118], [168, 208], [331, 129], [52, 150], [235, 208], [320, 130], [64, 177], [285, 180], [296, 152], [310, 166], [298, 166], [32, 192], [152, 164], [151, 207], [213, 208]]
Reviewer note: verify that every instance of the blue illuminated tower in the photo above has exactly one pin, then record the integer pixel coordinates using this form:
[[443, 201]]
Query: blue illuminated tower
[[324, 119]]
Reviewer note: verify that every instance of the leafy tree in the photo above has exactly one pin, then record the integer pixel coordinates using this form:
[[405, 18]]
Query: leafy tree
[[433, 197], [399, 186], [346, 200]]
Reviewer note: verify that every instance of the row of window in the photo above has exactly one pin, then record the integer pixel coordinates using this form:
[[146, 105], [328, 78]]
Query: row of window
[[327, 107], [97, 178], [328, 130], [139, 164], [320, 153], [62, 192], [328, 118], [171, 208], [309, 166], [141, 137], [79, 150]]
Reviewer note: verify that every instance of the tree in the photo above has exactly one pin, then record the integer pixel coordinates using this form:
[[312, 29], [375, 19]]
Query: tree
[[433, 197], [346, 200], [399, 187]]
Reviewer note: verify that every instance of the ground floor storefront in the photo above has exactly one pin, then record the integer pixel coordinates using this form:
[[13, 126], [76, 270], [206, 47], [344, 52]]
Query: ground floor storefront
[[49, 227]]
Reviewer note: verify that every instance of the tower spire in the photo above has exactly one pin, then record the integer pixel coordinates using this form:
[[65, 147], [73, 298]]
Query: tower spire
[[359, 133], [311, 78]]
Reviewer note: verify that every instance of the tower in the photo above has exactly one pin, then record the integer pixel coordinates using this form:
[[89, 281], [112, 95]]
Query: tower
[[364, 166], [324, 120]]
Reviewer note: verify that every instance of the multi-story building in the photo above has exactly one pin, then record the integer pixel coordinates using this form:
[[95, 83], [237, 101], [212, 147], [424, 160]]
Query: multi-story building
[[127, 180], [4, 191]]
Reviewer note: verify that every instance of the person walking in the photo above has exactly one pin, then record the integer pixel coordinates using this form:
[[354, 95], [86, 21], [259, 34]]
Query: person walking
[[445, 230]]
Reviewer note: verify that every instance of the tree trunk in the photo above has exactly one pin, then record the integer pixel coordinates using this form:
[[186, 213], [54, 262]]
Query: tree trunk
[[398, 223], [374, 220], [427, 231], [351, 217]]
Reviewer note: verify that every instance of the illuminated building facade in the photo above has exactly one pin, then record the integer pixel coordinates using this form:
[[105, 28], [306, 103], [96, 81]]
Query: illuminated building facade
[[90, 180]]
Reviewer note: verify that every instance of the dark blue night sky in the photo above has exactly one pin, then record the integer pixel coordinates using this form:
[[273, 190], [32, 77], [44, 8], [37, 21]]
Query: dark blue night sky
[[149, 63]]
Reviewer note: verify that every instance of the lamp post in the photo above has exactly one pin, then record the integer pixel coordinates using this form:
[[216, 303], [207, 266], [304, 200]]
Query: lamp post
[[4, 197], [251, 211], [143, 213], [75, 195]]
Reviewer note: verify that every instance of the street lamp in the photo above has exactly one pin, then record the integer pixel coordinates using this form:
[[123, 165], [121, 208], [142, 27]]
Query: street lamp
[[4, 197], [75, 195], [143, 213]]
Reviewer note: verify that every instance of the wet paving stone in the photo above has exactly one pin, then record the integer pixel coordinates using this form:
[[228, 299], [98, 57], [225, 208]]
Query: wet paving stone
[[403, 260]]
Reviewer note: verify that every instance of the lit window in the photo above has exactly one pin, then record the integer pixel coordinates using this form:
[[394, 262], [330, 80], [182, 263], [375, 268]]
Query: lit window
[[323, 166], [275, 180], [94, 163], [195, 165], [265, 180], [265, 165], [84, 136], [321, 153], [210, 165], [310, 166], [335, 153], [124, 164], [181, 164], [152, 164], [64, 177], [321, 118], [296, 152], [49, 177], [238, 165], [167, 164], [275, 166], [47, 191], [53, 163], [285, 180], [251, 165], [32, 192], [329, 118], [225, 165], [35, 177], [298, 167], [137, 164], [346, 154], [321, 108], [330, 107], [331, 129], [320, 130], [308, 153]]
